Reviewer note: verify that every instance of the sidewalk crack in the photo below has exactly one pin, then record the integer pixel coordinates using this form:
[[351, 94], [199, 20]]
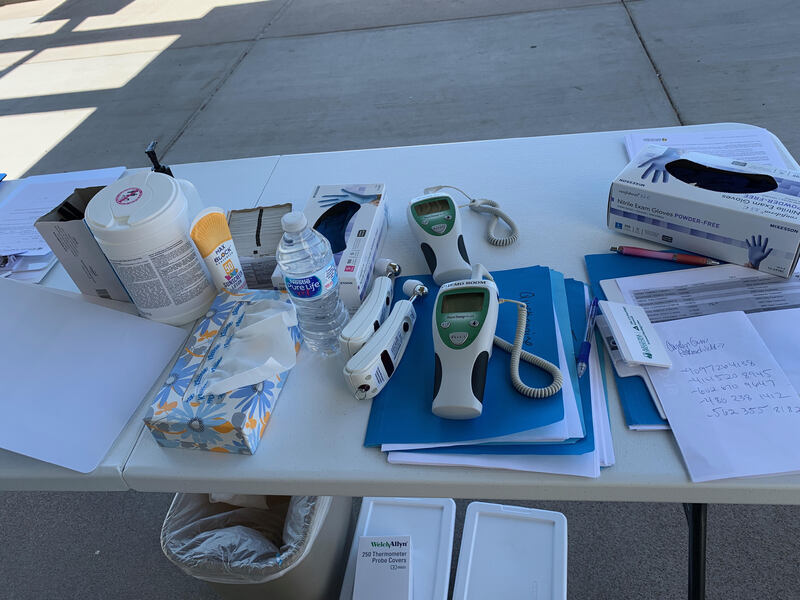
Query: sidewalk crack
[[653, 64]]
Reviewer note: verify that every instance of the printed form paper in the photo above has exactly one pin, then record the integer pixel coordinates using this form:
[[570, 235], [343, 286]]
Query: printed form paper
[[752, 145], [37, 196], [708, 290], [731, 407]]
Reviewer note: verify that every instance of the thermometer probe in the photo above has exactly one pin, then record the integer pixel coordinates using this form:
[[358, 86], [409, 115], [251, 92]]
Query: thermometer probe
[[373, 311], [370, 369]]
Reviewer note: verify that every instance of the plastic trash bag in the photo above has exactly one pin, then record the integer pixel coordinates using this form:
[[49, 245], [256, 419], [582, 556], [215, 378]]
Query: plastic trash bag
[[222, 543]]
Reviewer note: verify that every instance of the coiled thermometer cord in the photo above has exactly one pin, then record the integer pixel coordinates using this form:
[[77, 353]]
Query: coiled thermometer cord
[[517, 353], [487, 207]]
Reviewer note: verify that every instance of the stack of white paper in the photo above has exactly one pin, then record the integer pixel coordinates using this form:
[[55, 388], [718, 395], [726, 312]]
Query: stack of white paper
[[586, 465], [733, 410], [703, 291]]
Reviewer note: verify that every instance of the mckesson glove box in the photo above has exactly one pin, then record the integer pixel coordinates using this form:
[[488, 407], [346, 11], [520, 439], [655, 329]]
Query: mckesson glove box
[[730, 210]]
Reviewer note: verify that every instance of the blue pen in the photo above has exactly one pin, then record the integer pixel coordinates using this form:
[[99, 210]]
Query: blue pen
[[586, 345]]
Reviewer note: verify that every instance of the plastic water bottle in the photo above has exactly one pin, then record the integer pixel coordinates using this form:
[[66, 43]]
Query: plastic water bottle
[[309, 271]]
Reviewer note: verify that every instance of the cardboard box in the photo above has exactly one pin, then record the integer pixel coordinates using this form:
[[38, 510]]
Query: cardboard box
[[353, 217], [70, 239], [721, 208], [256, 234], [230, 423]]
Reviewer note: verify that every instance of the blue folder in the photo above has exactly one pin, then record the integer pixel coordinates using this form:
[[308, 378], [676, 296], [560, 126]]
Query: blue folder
[[637, 404], [561, 304], [577, 315], [401, 413]]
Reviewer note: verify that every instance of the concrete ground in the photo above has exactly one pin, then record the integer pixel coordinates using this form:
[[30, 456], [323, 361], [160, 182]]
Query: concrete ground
[[87, 83]]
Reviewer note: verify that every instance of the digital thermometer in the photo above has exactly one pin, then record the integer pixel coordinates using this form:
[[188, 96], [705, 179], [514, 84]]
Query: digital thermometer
[[370, 369], [464, 323], [435, 221], [372, 312]]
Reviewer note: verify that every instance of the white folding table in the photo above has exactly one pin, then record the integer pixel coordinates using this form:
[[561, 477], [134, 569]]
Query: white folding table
[[556, 188]]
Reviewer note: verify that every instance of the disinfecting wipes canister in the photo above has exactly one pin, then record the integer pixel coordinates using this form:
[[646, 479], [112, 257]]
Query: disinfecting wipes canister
[[141, 223]]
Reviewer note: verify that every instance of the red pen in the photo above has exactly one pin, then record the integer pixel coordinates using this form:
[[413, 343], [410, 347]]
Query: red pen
[[686, 259]]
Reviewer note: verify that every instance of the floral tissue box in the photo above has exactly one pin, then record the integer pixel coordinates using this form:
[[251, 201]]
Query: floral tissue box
[[232, 422]]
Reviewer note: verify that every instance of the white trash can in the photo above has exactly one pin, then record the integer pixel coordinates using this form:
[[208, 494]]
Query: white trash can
[[295, 549]]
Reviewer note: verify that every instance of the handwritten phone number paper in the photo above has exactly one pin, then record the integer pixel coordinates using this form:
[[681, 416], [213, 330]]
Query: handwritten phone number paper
[[731, 407]]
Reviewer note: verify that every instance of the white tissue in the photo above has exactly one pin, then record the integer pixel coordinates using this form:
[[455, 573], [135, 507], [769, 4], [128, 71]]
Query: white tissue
[[261, 347]]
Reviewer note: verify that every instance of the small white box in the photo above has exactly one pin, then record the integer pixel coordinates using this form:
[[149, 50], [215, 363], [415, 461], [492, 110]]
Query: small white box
[[353, 218], [383, 568], [725, 209], [637, 340], [512, 552]]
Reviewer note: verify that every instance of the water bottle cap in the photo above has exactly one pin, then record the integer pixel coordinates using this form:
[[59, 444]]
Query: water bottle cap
[[294, 221]]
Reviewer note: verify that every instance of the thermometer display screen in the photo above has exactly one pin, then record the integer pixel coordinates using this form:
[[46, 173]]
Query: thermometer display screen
[[428, 208], [457, 303]]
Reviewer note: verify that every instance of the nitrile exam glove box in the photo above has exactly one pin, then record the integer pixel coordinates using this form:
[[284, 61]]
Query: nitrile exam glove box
[[353, 218], [725, 209]]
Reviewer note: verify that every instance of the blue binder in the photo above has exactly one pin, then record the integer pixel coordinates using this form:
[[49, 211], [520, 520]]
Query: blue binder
[[637, 404], [401, 413]]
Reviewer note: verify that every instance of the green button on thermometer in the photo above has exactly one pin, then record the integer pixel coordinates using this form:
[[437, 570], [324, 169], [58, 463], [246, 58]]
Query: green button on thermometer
[[435, 221], [465, 318]]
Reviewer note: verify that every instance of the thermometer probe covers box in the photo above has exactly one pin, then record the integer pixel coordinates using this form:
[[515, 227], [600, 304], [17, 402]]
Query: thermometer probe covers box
[[353, 218], [428, 522], [725, 209]]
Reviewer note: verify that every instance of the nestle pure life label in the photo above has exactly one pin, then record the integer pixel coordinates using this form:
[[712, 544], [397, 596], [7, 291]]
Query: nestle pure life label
[[315, 284]]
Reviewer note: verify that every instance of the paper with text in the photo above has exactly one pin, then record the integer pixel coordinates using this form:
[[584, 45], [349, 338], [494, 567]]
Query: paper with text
[[752, 145], [35, 197], [708, 290], [731, 407]]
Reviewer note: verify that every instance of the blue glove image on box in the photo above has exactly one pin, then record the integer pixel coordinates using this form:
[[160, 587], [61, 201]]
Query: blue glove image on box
[[756, 251]]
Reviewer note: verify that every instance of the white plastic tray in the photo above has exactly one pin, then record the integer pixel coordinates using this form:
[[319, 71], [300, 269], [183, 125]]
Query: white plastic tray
[[429, 522], [512, 553]]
